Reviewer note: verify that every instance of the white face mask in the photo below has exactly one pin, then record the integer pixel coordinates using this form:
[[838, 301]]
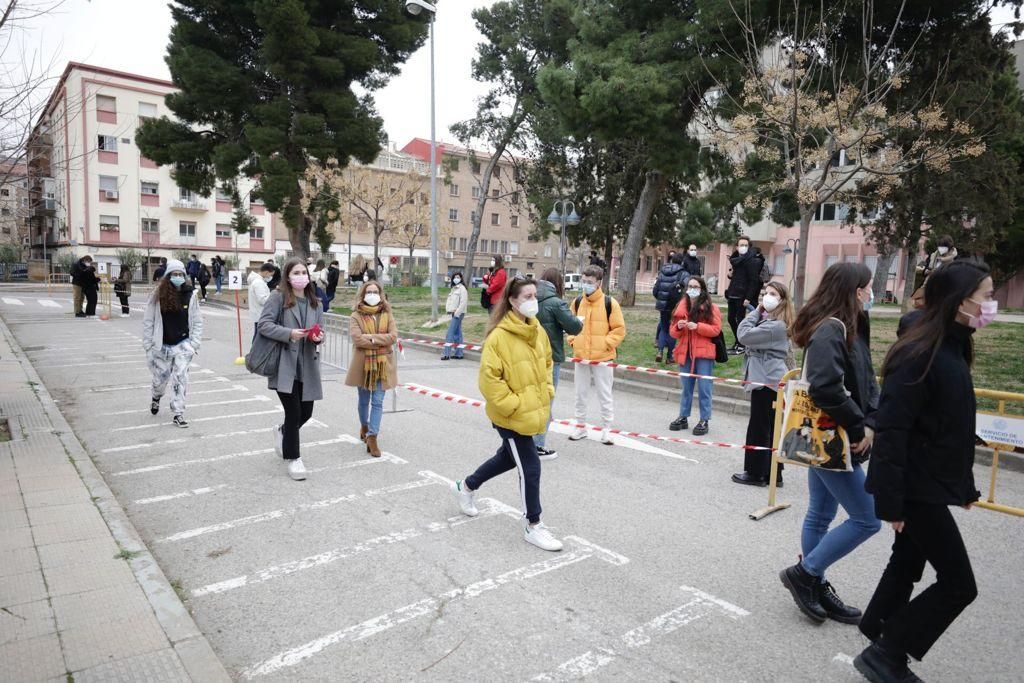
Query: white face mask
[[692, 252], [529, 308], [943, 251], [693, 292], [372, 298], [770, 302], [492, 264], [742, 250], [457, 280]]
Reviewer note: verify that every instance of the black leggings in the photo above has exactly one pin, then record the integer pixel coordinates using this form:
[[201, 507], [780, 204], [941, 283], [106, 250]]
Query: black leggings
[[296, 413], [760, 432], [90, 301], [124, 302]]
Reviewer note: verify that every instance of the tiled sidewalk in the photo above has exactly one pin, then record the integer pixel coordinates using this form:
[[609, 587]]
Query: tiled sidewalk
[[80, 596]]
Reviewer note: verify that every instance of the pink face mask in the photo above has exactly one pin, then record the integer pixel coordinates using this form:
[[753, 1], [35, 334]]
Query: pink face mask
[[985, 317], [299, 281]]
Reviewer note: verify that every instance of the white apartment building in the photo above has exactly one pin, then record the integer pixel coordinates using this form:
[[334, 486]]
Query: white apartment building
[[14, 203], [93, 192]]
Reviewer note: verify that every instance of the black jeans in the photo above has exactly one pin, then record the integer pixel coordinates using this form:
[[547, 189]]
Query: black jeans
[[519, 451], [90, 301], [930, 535], [760, 432], [124, 302], [296, 413], [737, 312]]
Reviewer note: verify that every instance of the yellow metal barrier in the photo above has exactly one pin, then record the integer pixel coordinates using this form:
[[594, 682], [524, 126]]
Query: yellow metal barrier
[[106, 288], [988, 503], [56, 279]]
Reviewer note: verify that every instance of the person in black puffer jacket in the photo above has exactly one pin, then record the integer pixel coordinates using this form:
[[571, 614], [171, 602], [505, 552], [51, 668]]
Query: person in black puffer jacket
[[922, 464], [744, 284], [834, 331], [691, 264], [668, 290]]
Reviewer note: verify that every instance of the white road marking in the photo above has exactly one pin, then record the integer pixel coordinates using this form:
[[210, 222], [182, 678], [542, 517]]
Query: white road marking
[[48, 303], [259, 399], [200, 419], [13, 302], [843, 659], [627, 442], [83, 365], [385, 622], [164, 442], [176, 496], [288, 512], [698, 607], [148, 385], [386, 457], [216, 458], [335, 555]]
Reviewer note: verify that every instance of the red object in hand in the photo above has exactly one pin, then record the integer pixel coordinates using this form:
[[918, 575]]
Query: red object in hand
[[314, 332]]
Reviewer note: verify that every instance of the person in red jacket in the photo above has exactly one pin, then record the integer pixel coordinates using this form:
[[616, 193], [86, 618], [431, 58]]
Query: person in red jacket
[[695, 323], [496, 281]]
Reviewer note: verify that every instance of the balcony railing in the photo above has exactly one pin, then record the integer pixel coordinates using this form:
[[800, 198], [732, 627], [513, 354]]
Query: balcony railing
[[188, 204]]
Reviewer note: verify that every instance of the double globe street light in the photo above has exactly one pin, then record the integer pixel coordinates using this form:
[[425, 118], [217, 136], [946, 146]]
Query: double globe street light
[[563, 214]]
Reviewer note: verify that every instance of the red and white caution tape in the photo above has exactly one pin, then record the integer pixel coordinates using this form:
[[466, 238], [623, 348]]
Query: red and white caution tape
[[476, 403], [611, 364]]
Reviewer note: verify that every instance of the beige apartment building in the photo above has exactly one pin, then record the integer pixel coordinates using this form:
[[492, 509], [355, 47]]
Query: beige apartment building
[[14, 204]]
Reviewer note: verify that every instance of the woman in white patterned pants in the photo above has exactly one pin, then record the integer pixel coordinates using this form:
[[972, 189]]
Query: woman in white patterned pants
[[169, 365]]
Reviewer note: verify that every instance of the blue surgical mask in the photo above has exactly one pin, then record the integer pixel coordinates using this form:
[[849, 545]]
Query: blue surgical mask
[[588, 288], [693, 292], [871, 300], [177, 280]]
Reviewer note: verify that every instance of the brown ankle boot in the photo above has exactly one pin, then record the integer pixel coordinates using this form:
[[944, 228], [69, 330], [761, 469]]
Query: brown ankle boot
[[371, 445], [362, 432]]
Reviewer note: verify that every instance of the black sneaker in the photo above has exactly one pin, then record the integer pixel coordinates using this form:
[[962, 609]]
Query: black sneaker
[[179, 421], [154, 406], [878, 665], [444, 357], [79, 315], [546, 453], [701, 428], [679, 424], [836, 608]]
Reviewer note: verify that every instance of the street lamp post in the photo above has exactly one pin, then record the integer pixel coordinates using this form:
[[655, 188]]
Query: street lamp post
[[416, 7], [792, 247], [562, 214]]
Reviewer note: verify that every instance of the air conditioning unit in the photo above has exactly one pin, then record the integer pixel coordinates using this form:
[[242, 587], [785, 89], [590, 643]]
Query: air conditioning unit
[[50, 204], [111, 194], [449, 255]]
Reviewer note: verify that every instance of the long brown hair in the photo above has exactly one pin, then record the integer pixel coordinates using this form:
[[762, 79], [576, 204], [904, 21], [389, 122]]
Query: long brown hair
[[785, 312], [501, 309], [168, 296], [698, 310], [553, 276], [286, 287], [835, 297]]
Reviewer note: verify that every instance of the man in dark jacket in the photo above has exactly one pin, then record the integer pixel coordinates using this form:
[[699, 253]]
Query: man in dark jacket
[[557, 320], [744, 285], [668, 289], [333, 275], [160, 270], [193, 268], [79, 271], [691, 264]]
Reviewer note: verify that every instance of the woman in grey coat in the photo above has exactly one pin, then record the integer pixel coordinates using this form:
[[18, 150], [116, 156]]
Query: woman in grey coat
[[292, 316], [764, 334]]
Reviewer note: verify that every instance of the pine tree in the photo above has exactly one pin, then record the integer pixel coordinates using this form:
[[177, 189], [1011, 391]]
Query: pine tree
[[266, 87]]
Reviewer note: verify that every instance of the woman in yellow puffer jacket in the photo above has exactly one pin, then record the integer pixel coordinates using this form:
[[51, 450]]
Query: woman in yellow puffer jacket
[[515, 379]]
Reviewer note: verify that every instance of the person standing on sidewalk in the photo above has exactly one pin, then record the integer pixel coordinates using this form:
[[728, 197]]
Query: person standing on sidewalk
[[557, 320], [372, 369], [123, 290], [765, 335], [744, 285], [204, 279], [160, 270], [603, 331], [695, 324], [515, 380], [456, 306], [834, 330], [259, 291], [192, 270], [668, 289], [217, 266], [292, 316], [333, 276], [691, 264], [495, 281], [172, 331], [922, 464]]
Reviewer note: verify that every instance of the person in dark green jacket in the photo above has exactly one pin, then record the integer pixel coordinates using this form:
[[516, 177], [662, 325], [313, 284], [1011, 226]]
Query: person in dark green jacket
[[557, 320]]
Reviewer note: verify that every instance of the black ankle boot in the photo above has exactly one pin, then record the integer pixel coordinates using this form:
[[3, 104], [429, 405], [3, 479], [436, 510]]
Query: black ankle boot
[[836, 608], [806, 591], [879, 665]]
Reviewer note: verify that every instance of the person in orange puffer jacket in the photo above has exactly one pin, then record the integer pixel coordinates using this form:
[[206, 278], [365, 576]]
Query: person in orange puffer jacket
[[695, 324]]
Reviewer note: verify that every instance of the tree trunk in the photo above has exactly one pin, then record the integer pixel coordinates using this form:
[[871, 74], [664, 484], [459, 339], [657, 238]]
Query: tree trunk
[[654, 185], [609, 256], [412, 250], [881, 279], [801, 257], [909, 271], [299, 238]]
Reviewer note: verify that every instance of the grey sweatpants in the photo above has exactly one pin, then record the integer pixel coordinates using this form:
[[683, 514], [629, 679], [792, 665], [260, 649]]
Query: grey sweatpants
[[170, 364]]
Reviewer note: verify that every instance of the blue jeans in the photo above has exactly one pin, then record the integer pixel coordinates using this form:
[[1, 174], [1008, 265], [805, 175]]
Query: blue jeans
[[699, 366], [327, 299], [454, 336], [665, 339], [219, 281], [827, 490], [541, 438], [371, 408]]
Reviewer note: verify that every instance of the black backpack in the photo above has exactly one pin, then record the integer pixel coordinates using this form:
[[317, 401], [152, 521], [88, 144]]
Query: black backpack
[[607, 306]]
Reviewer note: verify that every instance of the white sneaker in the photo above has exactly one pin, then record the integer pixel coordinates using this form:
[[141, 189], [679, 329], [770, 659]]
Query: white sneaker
[[546, 454], [606, 438], [279, 441], [296, 470], [540, 536], [125, 315], [465, 498], [580, 433]]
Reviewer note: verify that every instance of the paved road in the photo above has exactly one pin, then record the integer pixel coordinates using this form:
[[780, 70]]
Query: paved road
[[367, 572]]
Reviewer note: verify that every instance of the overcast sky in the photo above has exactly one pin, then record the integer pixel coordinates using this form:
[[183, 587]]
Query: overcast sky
[[131, 35]]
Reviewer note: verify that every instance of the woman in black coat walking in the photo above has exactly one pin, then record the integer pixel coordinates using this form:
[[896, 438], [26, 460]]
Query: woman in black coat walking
[[922, 464]]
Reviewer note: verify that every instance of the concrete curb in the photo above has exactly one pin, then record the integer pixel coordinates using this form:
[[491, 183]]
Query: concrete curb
[[192, 647]]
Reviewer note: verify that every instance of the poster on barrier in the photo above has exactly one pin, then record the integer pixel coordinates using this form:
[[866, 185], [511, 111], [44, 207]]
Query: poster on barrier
[[996, 429], [810, 436]]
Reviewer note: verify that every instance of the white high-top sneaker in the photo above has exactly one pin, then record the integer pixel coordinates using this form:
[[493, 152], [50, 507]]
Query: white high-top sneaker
[[296, 470], [606, 438], [540, 536], [465, 498]]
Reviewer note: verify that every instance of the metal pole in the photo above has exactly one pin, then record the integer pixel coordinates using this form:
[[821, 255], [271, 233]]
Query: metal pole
[[433, 184]]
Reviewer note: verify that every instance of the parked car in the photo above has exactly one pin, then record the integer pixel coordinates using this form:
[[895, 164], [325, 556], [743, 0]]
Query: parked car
[[572, 282], [19, 271], [476, 281]]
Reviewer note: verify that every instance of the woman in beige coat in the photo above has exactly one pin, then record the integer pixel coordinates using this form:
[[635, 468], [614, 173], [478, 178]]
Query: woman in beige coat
[[372, 370]]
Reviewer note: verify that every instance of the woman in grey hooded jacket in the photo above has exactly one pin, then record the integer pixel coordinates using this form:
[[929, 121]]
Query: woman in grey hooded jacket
[[764, 334]]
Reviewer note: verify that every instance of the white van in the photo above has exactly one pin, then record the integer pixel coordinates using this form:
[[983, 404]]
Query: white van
[[572, 282]]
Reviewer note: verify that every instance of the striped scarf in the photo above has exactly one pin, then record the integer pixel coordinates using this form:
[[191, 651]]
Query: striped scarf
[[375, 365]]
